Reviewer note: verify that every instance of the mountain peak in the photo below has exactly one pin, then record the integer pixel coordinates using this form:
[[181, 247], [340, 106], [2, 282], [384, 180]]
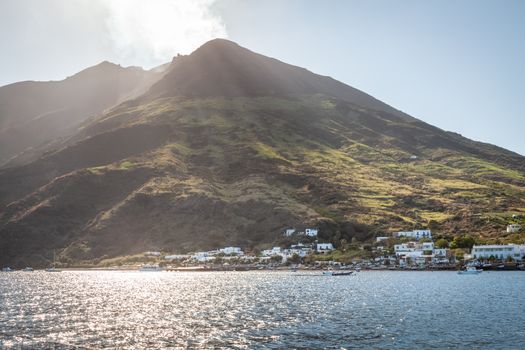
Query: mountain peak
[[219, 43], [221, 67]]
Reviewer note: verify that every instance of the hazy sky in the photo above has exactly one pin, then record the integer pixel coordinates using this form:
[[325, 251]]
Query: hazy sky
[[457, 64]]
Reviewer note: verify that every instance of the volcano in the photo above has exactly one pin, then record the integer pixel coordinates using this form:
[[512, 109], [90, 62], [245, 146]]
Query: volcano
[[229, 147]]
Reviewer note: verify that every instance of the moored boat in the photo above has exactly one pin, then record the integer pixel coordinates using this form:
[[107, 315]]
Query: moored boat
[[53, 269], [150, 268], [333, 273], [471, 270], [28, 269], [7, 269]]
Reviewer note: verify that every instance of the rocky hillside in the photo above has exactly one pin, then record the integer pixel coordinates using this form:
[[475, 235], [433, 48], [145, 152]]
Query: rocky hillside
[[35, 114], [231, 147]]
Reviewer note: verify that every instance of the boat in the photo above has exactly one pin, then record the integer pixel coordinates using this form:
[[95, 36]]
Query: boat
[[28, 269], [7, 269], [150, 268], [53, 268], [471, 270], [332, 273]]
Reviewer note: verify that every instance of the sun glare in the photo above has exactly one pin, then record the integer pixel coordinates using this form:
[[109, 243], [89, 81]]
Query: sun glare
[[154, 31]]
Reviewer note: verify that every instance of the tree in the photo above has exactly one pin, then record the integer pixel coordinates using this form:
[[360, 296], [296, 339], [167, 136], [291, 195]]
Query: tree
[[295, 259], [441, 243], [433, 225], [464, 241], [276, 259]]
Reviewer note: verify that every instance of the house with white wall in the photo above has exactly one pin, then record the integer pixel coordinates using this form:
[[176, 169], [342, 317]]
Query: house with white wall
[[415, 234], [500, 252], [289, 232], [324, 247], [231, 250], [513, 228], [272, 252], [311, 232]]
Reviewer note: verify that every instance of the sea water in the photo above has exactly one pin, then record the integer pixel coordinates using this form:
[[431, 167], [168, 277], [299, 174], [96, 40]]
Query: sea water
[[261, 310]]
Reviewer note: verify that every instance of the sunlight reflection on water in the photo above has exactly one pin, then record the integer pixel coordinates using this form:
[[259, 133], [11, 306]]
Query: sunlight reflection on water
[[260, 310]]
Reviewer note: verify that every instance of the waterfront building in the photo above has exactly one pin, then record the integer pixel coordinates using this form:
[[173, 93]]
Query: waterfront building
[[177, 257], [231, 250], [420, 253], [152, 253], [500, 252], [272, 252]]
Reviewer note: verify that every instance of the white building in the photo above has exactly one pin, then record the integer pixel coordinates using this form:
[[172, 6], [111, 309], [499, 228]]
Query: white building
[[177, 257], [289, 232], [501, 252], [152, 253], [420, 253], [205, 256], [300, 249], [380, 239], [441, 256], [324, 247], [402, 248], [311, 232], [416, 234], [272, 252], [231, 250], [513, 228]]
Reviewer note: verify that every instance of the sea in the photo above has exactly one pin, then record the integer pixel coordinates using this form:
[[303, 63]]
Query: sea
[[262, 310]]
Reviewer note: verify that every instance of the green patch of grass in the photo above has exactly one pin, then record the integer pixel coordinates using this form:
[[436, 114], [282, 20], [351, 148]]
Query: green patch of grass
[[126, 165], [267, 152], [433, 215]]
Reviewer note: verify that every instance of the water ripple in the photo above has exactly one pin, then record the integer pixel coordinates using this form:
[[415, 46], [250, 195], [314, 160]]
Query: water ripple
[[266, 310]]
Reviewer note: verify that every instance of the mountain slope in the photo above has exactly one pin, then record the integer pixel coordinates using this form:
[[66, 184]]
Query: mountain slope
[[183, 167], [33, 113]]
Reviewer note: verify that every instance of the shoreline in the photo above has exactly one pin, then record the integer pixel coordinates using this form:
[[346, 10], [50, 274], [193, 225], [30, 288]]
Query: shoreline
[[244, 269]]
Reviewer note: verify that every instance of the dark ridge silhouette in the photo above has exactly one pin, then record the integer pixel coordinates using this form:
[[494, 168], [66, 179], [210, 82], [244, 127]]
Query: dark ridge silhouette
[[33, 113], [223, 68]]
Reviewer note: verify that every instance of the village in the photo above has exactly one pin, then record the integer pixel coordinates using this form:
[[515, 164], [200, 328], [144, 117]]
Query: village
[[402, 250]]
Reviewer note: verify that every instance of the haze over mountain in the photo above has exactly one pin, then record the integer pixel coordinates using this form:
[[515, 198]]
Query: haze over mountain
[[33, 113], [231, 147]]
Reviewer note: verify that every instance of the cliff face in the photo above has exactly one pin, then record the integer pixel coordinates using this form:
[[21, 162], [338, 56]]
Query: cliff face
[[231, 147]]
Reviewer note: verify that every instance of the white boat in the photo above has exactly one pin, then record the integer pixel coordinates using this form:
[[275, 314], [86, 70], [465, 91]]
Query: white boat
[[333, 273], [150, 268], [28, 269], [53, 269], [471, 270], [7, 269]]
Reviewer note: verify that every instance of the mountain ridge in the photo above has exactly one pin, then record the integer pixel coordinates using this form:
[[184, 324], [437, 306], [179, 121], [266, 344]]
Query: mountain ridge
[[177, 171], [33, 113]]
